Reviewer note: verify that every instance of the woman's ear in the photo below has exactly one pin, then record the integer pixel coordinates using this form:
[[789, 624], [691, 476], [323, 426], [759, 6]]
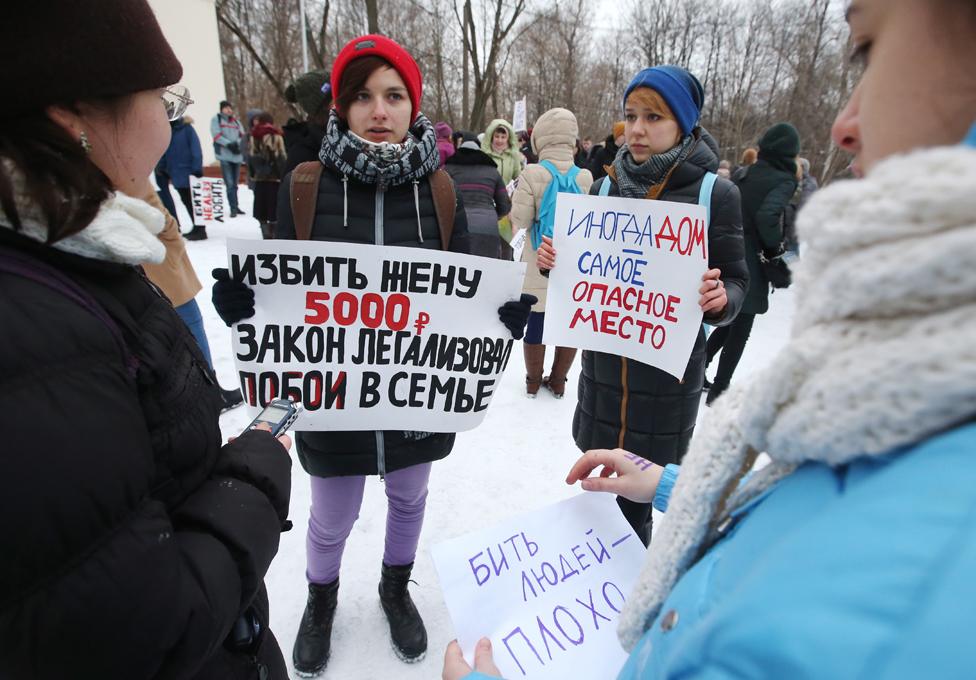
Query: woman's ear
[[67, 119]]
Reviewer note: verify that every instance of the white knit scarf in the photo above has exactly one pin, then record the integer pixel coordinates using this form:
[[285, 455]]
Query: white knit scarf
[[124, 230], [882, 354]]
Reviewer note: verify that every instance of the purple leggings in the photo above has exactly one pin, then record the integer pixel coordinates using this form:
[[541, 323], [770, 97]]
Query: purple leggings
[[335, 508]]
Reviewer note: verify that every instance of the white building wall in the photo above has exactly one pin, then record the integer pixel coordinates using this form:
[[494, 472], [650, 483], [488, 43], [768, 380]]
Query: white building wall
[[190, 26]]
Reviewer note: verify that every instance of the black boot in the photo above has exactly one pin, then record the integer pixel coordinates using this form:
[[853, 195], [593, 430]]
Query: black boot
[[199, 233], [314, 640], [406, 627]]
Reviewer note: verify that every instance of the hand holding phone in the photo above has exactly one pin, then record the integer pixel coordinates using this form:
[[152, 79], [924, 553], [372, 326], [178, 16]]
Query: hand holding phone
[[278, 415]]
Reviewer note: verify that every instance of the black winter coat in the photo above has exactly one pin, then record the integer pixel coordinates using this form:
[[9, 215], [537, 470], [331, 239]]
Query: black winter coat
[[766, 188], [485, 199], [303, 141], [624, 403], [363, 214], [602, 156], [132, 540]]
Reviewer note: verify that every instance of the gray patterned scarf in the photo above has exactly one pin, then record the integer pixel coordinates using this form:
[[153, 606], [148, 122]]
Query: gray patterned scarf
[[348, 154], [636, 180]]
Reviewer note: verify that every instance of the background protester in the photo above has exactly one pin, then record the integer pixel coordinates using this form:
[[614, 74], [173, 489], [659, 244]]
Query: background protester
[[378, 149], [139, 544], [525, 147], [484, 197], [445, 147], [501, 144], [625, 403], [554, 140], [603, 156], [766, 189], [266, 164], [749, 157], [183, 159], [229, 145], [807, 187], [312, 92]]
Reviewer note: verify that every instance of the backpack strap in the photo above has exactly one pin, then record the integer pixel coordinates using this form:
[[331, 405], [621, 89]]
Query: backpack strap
[[705, 194], [24, 266], [304, 195], [445, 204], [605, 187]]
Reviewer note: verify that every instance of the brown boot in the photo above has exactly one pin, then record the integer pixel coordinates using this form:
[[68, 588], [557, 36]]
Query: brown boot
[[555, 382], [535, 358]]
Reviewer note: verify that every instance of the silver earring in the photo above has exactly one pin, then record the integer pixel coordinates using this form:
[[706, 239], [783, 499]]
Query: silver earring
[[85, 144]]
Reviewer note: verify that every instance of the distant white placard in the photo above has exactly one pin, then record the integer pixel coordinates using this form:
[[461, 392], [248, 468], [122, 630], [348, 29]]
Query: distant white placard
[[519, 123], [518, 244], [209, 198], [546, 587], [373, 337], [627, 277]]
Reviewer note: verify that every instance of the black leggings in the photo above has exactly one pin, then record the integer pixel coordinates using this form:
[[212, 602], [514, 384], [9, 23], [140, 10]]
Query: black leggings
[[731, 340], [187, 200]]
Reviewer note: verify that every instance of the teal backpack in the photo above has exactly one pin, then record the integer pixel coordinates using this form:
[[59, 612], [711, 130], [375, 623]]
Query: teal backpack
[[560, 184]]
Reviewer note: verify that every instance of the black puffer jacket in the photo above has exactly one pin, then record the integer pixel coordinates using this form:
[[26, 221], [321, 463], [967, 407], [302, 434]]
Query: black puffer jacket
[[354, 212], [303, 140], [132, 540], [485, 199], [640, 408]]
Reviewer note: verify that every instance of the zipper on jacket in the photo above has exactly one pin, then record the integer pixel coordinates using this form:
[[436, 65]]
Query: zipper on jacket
[[378, 239], [623, 402]]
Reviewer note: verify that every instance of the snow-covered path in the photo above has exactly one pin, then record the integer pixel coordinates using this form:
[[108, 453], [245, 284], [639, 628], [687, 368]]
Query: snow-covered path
[[514, 462]]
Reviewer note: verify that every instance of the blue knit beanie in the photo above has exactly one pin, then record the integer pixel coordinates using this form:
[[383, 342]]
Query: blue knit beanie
[[682, 92]]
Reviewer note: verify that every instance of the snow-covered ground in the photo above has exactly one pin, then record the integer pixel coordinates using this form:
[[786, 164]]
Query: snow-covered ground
[[515, 461]]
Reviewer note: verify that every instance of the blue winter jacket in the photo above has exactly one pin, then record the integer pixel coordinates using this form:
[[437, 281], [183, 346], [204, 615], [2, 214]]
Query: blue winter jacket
[[863, 571], [184, 156], [227, 132]]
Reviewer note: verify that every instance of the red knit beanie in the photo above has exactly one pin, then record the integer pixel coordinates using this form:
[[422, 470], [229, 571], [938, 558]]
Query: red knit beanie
[[391, 51], [63, 51]]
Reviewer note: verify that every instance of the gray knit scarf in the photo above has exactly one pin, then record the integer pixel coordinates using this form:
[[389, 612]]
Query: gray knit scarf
[[348, 155], [635, 180]]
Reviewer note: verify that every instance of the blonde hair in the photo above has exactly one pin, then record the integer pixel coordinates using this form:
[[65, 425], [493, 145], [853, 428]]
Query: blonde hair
[[749, 156]]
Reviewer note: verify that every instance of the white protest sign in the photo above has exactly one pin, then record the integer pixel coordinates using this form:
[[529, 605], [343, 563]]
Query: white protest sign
[[519, 119], [518, 243], [546, 587], [373, 337], [209, 200], [627, 277]]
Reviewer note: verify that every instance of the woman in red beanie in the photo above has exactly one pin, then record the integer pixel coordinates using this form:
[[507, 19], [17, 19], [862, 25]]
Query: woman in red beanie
[[378, 161], [134, 544]]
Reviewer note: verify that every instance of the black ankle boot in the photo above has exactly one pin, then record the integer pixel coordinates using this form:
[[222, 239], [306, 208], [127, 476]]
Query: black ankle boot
[[314, 639], [406, 627]]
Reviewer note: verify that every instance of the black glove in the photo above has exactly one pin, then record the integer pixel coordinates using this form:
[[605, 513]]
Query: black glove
[[232, 299], [234, 147], [197, 173], [515, 314]]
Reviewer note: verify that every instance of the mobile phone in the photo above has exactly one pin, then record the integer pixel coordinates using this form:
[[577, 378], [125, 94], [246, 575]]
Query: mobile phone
[[279, 414]]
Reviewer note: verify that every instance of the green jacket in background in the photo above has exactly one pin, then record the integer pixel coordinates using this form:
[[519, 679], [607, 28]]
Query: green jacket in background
[[766, 189], [509, 162]]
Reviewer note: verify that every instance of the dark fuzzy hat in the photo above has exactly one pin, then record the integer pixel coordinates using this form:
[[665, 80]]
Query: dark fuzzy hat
[[307, 91], [780, 141], [63, 51]]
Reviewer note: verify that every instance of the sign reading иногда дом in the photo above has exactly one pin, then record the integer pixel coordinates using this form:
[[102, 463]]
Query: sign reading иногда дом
[[546, 587], [373, 337], [627, 278]]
